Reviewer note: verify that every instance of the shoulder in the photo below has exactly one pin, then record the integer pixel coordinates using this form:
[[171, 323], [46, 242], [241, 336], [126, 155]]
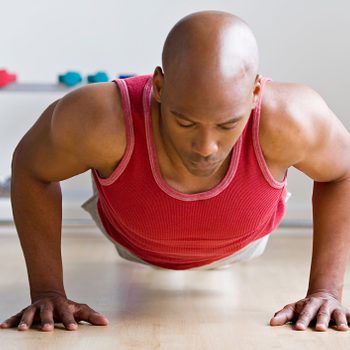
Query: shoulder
[[299, 129], [92, 115], [287, 120]]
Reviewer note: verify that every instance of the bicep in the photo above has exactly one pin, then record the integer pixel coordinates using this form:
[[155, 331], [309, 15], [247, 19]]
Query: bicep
[[326, 155]]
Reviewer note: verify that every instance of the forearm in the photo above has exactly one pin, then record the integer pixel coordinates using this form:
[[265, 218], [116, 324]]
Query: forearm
[[37, 211], [331, 243]]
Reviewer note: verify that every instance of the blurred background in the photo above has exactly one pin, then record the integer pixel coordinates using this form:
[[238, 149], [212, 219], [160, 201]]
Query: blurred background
[[300, 41]]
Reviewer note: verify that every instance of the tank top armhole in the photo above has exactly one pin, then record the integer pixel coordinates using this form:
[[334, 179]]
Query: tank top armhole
[[130, 138], [257, 147]]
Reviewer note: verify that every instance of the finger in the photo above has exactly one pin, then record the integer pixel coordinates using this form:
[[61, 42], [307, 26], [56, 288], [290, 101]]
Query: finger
[[68, 320], [87, 314], [323, 318], [27, 319], [46, 317], [308, 313], [12, 321], [340, 319], [283, 316]]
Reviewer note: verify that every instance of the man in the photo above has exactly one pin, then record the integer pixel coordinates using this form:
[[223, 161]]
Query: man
[[189, 168]]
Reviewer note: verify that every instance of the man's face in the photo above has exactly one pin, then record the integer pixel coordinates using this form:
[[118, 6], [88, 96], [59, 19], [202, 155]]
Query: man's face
[[201, 124]]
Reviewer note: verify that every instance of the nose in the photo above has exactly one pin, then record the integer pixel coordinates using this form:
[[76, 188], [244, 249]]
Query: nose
[[205, 144]]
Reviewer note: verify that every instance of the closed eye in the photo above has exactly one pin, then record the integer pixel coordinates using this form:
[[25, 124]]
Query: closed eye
[[222, 127], [185, 125], [227, 128]]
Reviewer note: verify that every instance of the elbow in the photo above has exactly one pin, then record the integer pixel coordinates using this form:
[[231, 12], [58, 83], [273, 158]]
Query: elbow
[[14, 156]]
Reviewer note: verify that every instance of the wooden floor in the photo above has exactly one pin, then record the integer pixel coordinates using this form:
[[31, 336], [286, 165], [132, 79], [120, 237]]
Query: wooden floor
[[165, 309]]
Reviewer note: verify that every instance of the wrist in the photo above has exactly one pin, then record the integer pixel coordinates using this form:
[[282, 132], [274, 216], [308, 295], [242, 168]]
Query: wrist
[[36, 295], [335, 293]]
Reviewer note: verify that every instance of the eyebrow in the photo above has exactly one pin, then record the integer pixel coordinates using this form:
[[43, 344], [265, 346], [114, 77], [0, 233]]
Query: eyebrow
[[182, 116]]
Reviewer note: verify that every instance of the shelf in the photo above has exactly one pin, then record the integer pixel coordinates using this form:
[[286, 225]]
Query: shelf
[[38, 87]]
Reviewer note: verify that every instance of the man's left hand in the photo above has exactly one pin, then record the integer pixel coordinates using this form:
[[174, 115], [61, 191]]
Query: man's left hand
[[321, 307]]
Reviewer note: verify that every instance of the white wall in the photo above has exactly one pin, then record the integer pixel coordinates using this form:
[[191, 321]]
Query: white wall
[[300, 41]]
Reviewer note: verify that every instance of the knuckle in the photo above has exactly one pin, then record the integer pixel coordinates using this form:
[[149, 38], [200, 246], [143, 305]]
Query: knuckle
[[46, 307], [64, 314], [323, 313], [23, 310], [71, 308], [29, 308], [299, 305], [337, 313], [326, 303], [289, 307], [67, 313], [67, 319], [305, 314]]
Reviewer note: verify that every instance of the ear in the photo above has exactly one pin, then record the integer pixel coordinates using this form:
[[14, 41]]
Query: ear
[[158, 80], [256, 90]]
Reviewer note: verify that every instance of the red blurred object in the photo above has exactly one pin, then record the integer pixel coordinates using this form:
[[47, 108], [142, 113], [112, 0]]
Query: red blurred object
[[6, 78]]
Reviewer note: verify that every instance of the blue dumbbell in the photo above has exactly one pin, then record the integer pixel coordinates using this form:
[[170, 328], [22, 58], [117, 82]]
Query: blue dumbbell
[[99, 77], [125, 76], [70, 78]]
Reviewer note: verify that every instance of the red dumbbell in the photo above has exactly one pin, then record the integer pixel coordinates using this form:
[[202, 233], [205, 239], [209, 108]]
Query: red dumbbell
[[6, 78]]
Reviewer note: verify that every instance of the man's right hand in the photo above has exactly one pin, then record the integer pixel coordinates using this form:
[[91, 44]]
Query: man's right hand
[[54, 307]]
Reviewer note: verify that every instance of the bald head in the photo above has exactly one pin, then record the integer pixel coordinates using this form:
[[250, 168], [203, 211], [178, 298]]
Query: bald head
[[210, 45], [206, 89]]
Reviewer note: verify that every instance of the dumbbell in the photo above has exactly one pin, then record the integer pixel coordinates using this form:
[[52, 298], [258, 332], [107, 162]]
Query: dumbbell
[[70, 78], [125, 76], [6, 78], [99, 77]]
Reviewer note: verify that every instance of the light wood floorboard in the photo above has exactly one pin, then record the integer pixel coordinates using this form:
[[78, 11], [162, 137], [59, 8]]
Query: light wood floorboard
[[166, 309]]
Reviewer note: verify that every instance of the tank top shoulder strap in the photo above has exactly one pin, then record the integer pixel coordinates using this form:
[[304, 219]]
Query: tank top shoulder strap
[[256, 140]]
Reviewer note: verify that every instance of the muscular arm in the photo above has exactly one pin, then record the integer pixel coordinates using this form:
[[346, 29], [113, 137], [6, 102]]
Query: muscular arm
[[323, 146], [60, 145], [328, 163], [37, 168]]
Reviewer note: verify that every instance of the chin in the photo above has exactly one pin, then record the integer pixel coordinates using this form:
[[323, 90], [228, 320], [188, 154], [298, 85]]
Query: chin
[[201, 172]]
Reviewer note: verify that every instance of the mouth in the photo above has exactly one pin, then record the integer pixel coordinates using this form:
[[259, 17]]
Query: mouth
[[203, 165]]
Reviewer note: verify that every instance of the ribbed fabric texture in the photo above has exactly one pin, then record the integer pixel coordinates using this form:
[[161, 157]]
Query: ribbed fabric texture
[[178, 231]]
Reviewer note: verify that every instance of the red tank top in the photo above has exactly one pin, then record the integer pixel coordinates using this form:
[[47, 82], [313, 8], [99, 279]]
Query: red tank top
[[172, 229]]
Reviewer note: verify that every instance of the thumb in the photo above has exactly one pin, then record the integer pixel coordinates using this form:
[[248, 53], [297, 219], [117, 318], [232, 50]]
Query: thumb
[[98, 319], [283, 316], [278, 319], [87, 314]]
